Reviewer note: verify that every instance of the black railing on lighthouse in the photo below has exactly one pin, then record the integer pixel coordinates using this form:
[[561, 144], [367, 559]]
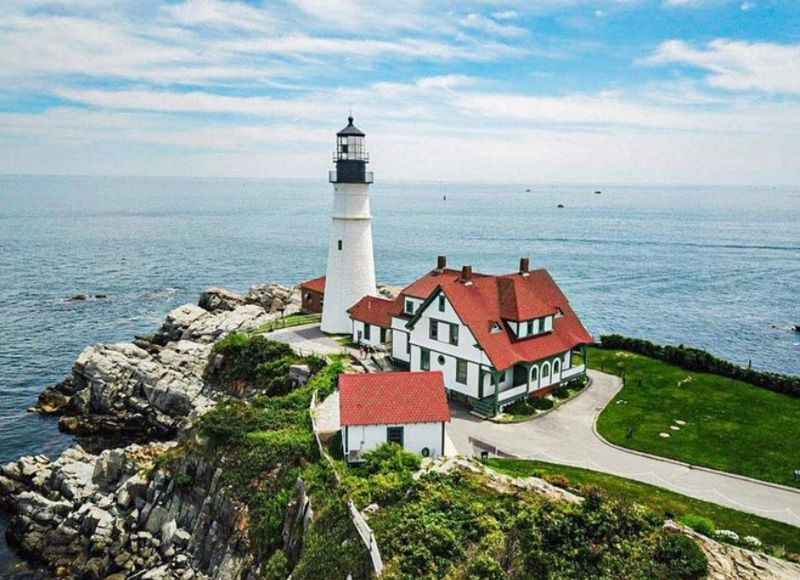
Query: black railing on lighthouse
[[335, 177]]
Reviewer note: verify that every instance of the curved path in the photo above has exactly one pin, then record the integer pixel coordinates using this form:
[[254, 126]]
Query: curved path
[[567, 436]]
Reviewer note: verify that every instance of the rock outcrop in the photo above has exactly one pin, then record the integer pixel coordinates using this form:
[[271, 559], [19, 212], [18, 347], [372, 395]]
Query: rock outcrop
[[95, 516], [726, 561], [154, 386]]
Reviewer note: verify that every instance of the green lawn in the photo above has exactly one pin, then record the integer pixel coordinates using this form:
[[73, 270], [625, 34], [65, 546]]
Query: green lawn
[[296, 319], [730, 425], [771, 533]]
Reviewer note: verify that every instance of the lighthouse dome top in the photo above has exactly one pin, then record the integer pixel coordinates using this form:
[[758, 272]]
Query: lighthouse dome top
[[350, 130]]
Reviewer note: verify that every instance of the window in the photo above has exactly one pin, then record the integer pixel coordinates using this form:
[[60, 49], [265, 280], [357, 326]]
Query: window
[[461, 371], [548, 324], [425, 359], [530, 327], [340, 245], [545, 371], [383, 335], [394, 435], [441, 302], [367, 331], [440, 360], [556, 366], [409, 307], [520, 375], [434, 330], [454, 334]]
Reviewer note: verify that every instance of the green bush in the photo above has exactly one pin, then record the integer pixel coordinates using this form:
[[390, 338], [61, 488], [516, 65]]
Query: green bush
[[597, 539], [390, 458], [561, 393], [521, 408], [252, 361], [484, 567], [699, 524], [694, 359], [543, 404], [680, 557], [277, 567]]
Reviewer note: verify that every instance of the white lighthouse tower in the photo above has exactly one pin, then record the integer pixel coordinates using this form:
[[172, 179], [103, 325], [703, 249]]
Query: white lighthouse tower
[[351, 263]]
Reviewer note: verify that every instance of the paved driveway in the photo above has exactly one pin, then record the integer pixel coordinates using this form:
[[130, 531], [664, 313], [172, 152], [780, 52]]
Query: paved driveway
[[566, 436]]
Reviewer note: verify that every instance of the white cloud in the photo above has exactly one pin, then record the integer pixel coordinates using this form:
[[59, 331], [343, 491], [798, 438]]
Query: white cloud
[[505, 15], [219, 14], [737, 65], [488, 26], [315, 46]]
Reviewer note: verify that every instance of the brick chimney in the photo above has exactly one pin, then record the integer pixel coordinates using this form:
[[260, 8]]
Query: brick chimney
[[524, 266], [441, 263], [466, 275]]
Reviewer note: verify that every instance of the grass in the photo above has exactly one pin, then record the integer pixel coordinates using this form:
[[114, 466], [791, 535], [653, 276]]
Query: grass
[[670, 504], [730, 425], [297, 319]]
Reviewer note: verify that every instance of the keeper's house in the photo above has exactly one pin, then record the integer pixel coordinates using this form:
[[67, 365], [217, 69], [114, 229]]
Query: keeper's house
[[496, 339], [407, 408]]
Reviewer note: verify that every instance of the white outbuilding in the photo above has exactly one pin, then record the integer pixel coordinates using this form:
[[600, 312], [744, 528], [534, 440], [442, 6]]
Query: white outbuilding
[[407, 408]]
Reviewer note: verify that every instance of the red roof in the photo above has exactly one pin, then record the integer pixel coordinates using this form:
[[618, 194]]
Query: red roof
[[315, 285], [496, 299], [374, 310], [392, 398], [423, 287]]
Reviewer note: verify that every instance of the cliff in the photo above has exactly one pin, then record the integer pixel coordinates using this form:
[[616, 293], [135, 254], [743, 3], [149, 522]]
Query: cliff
[[224, 480]]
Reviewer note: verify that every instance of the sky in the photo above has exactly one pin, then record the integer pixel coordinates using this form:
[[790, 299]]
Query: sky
[[537, 91]]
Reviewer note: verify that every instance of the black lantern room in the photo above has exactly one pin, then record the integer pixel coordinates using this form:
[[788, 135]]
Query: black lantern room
[[351, 156]]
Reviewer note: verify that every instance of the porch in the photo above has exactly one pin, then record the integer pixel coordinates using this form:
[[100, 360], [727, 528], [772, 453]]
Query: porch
[[531, 380]]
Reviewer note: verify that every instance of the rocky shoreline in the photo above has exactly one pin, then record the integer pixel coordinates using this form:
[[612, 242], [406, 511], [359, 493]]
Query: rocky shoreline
[[113, 513]]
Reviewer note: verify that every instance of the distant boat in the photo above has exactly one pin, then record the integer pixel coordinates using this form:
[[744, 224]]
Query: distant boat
[[797, 327], [444, 197], [560, 205], [598, 192], [528, 190]]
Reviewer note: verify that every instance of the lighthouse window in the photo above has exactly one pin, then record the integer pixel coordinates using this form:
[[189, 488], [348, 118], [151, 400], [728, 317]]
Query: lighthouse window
[[340, 245]]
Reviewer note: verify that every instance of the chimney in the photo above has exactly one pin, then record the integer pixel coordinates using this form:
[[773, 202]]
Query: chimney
[[524, 266], [441, 263], [466, 275]]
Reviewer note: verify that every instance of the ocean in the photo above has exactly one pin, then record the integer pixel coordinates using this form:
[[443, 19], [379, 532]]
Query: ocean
[[713, 267]]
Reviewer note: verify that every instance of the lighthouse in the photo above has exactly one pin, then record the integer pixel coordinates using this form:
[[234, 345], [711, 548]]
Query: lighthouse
[[351, 264]]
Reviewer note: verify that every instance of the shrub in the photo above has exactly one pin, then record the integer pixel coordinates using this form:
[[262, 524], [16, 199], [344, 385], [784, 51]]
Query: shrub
[[522, 408], [699, 524], [254, 361], [543, 404], [694, 359], [558, 480], [680, 557], [561, 393], [597, 539], [390, 458], [484, 567], [277, 567], [751, 542], [727, 536]]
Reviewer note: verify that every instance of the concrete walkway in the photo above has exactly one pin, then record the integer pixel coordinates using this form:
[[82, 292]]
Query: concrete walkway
[[566, 436], [308, 339]]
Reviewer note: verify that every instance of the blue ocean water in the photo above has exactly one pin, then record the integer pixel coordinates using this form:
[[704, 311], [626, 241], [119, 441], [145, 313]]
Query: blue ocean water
[[717, 268]]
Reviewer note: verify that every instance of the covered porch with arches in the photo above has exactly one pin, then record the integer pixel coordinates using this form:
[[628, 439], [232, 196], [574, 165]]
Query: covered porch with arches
[[532, 379]]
